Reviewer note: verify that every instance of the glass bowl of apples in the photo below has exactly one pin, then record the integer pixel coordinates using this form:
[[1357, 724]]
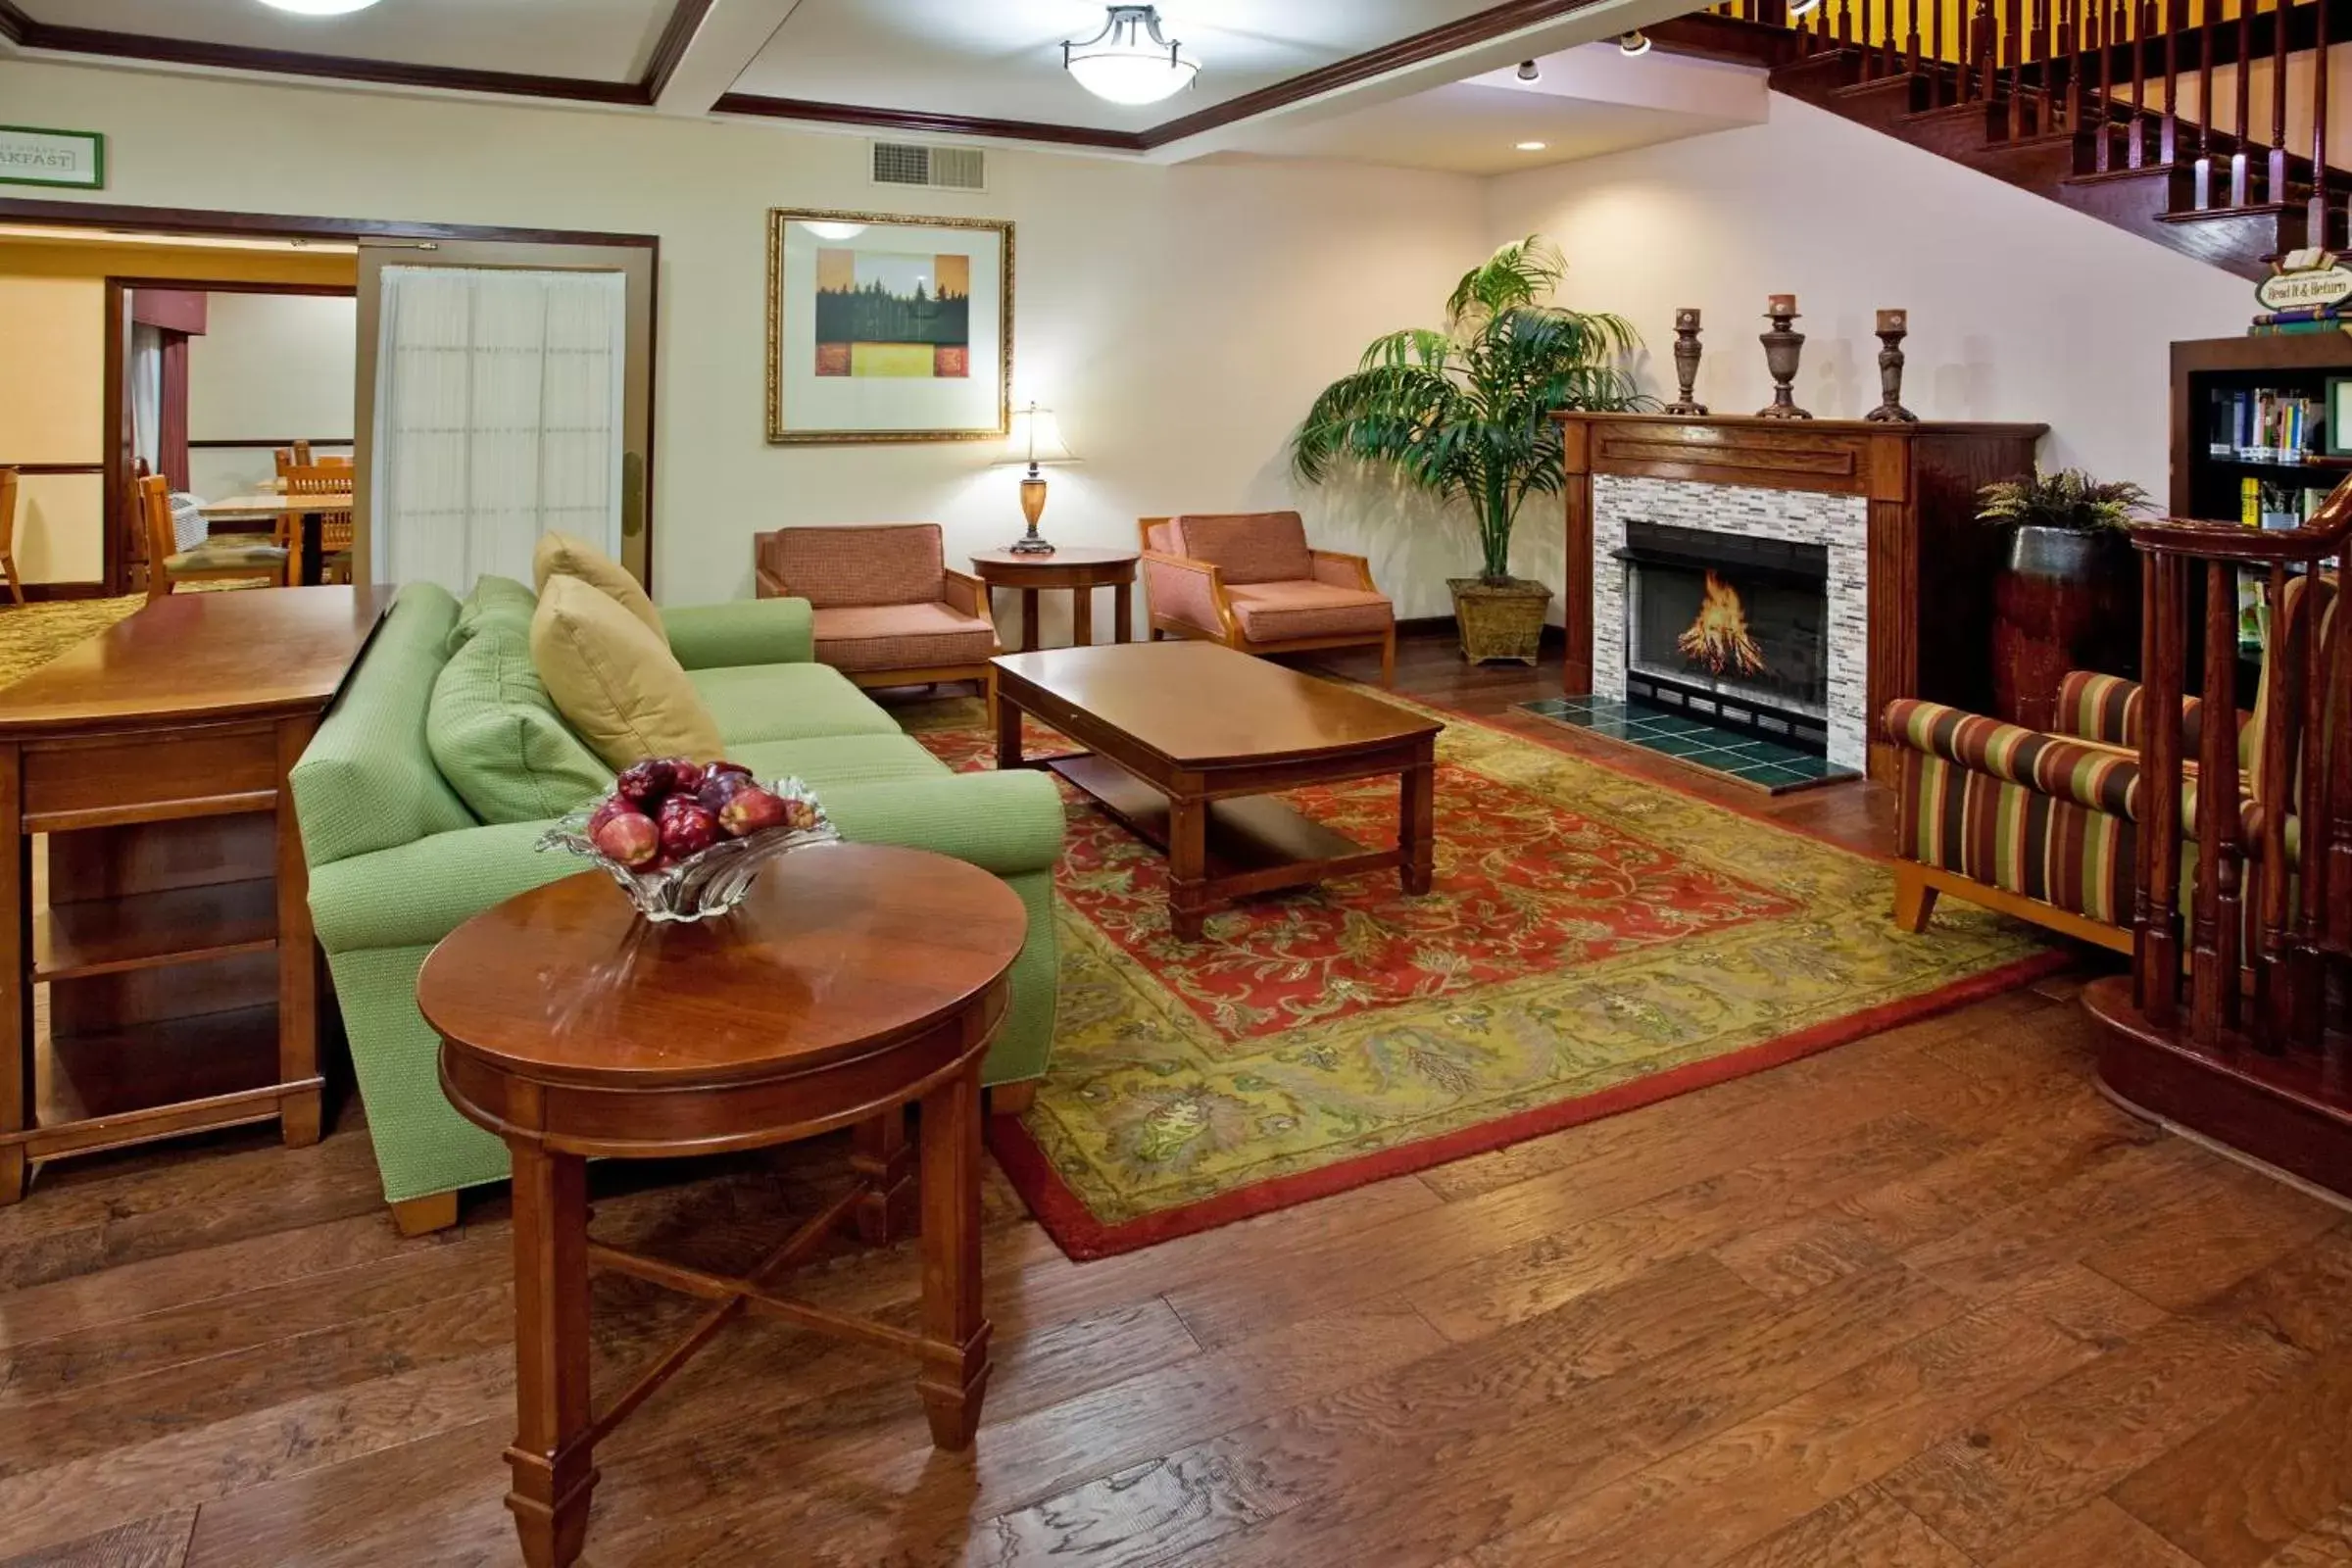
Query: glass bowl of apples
[[684, 839]]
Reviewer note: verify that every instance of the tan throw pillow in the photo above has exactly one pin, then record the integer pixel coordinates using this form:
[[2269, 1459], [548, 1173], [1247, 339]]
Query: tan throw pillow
[[562, 554], [614, 682]]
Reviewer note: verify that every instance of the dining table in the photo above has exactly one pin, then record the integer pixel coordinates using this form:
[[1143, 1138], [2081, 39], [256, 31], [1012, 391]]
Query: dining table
[[271, 506]]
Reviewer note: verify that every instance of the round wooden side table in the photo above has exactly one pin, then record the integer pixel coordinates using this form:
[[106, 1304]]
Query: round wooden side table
[[853, 981], [1073, 566]]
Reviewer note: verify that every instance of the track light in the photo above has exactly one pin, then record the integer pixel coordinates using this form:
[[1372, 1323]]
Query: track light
[[1529, 71], [1636, 42]]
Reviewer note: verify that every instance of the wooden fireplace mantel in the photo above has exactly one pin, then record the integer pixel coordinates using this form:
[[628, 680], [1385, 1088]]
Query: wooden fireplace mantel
[[1932, 564]]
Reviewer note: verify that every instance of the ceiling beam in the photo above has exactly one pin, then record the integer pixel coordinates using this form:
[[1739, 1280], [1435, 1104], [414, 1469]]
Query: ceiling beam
[[715, 49]]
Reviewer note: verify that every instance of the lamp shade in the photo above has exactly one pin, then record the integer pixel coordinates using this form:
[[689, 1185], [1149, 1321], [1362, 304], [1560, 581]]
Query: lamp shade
[[1036, 437]]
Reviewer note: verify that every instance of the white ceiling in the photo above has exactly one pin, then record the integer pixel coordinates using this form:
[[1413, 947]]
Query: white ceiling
[[1588, 101], [1002, 59], [601, 40]]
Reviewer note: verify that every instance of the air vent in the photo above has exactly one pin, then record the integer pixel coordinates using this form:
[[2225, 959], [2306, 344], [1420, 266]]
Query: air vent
[[902, 163]]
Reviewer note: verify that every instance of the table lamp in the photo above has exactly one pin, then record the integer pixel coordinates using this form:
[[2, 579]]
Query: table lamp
[[1035, 439]]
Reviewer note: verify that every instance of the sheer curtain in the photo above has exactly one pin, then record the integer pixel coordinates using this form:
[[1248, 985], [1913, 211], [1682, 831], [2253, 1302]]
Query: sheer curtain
[[498, 411], [147, 396]]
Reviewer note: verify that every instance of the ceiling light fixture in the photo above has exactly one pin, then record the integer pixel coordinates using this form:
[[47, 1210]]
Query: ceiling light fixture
[[1529, 71], [1532, 146], [1636, 43], [339, 8], [1129, 62]]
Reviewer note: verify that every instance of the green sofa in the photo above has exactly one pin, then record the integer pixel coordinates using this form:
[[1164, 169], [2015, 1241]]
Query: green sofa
[[397, 861]]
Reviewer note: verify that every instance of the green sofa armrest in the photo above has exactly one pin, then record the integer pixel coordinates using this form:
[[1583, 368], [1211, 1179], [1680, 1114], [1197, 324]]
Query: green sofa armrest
[[750, 632], [416, 893], [1008, 824]]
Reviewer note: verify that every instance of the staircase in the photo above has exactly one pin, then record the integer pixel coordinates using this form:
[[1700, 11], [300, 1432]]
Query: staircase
[[2202, 124]]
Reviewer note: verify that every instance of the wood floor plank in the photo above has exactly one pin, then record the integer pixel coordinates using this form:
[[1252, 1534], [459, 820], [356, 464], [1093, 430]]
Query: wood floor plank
[[1864, 1529], [2179, 1257], [1737, 1488], [2097, 1535], [2027, 1465], [158, 1541], [2250, 1484], [1475, 1295]]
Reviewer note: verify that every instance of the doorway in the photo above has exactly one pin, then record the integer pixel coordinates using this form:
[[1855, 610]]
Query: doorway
[[621, 489]]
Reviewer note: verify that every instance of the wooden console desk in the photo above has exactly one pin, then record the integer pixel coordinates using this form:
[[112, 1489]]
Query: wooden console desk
[[177, 947]]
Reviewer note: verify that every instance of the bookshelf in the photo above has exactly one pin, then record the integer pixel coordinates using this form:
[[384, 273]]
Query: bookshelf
[[2220, 446], [2220, 385]]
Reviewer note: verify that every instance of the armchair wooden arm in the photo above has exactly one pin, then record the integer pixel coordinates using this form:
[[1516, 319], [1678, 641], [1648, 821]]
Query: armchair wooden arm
[[1343, 570], [1199, 588], [964, 592], [770, 586]]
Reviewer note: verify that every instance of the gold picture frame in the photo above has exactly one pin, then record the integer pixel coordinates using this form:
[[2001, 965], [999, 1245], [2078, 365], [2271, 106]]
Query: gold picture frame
[[798, 399]]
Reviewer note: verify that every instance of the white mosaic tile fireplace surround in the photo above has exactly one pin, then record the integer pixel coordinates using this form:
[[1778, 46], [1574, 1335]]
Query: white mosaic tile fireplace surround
[[1839, 523]]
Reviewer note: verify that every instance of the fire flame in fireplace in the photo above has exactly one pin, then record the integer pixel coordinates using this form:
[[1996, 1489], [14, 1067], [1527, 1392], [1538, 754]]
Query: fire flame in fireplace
[[1718, 638]]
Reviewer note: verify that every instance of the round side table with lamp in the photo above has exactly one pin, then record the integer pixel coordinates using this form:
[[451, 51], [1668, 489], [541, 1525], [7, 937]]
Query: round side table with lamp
[[852, 981], [1077, 567]]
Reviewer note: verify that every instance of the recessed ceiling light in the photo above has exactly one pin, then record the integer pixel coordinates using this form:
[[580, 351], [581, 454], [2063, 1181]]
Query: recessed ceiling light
[[1635, 43], [1532, 146], [337, 8]]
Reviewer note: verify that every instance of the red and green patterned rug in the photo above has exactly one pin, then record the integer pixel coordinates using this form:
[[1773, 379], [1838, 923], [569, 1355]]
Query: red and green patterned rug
[[1593, 942]]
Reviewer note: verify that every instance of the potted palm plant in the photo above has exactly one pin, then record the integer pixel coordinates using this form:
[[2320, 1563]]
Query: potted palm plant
[[2067, 594], [1465, 414]]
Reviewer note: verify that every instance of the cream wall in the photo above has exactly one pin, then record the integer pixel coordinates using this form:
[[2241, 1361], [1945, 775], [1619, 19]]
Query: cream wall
[[54, 417], [268, 367], [2020, 309], [1179, 320]]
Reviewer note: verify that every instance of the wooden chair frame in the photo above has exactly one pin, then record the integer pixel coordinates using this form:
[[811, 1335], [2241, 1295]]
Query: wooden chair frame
[[8, 532], [155, 502], [1231, 633]]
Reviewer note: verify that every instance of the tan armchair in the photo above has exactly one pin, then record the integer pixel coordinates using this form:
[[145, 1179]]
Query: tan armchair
[[889, 612], [1249, 581]]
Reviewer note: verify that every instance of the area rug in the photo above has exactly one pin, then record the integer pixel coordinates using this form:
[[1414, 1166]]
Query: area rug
[[1593, 942]]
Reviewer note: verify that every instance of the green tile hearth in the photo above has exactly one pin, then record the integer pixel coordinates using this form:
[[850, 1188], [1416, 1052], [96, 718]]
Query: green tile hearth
[[1766, 764]]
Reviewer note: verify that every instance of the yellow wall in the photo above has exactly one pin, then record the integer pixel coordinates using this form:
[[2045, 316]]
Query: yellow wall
[[53, 400]]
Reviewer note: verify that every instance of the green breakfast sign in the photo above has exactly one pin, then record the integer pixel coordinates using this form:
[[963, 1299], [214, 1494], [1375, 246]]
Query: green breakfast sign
[[31, 155]]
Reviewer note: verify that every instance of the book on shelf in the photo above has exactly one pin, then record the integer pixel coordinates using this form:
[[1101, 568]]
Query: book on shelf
[[2262, 504], [2263, 425]]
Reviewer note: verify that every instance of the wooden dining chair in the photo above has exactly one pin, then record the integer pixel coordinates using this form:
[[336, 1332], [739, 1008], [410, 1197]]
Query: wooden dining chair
[[256, 559], [8, 532], [334, 527]]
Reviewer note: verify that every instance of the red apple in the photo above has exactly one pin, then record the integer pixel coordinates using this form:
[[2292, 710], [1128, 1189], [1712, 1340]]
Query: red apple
[[750, 810], [685, 775], [629, 838], [606, 810], [687, 828], [719, 788], [642, 783]]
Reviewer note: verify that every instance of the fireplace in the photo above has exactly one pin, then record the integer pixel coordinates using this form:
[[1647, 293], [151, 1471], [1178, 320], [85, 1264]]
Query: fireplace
[[1731, 628]]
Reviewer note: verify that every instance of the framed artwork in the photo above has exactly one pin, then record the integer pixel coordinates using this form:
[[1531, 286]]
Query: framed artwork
[[884, 328]]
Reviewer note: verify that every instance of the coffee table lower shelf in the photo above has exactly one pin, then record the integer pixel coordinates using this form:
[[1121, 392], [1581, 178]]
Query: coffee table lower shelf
[[1254, 843]]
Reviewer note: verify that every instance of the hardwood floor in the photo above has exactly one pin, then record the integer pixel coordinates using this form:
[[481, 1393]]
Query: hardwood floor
[[1927, 1299]]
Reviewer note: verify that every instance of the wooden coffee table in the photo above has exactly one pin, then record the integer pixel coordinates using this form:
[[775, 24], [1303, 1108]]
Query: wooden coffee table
[[853, 981], [1181, 735]]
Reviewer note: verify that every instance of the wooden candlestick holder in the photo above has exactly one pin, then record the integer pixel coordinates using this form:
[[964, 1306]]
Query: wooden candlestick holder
[[1894, 326], [1685, 362], [1782, 346]]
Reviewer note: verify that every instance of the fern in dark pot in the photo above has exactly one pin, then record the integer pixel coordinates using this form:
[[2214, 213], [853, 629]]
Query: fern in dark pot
[[2067, 594], [1465, 414]]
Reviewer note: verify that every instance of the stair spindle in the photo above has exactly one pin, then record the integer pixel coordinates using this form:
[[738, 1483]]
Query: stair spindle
[[2207, 32], [2104, 24], [2038, 52], [2243, 122], [2217, 917], [2168, 146], [2305, 1015], [2293, 602], [1911, 41], [2156, 973], [2016, 60], [2143, 17], [2321, 72], [2274, 181]]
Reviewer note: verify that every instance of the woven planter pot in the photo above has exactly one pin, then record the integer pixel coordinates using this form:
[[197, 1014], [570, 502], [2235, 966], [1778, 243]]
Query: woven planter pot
[[1499, 620]]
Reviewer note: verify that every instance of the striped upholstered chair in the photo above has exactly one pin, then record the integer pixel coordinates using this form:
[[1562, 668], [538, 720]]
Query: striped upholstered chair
[[888, 610], [2045, 826]]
